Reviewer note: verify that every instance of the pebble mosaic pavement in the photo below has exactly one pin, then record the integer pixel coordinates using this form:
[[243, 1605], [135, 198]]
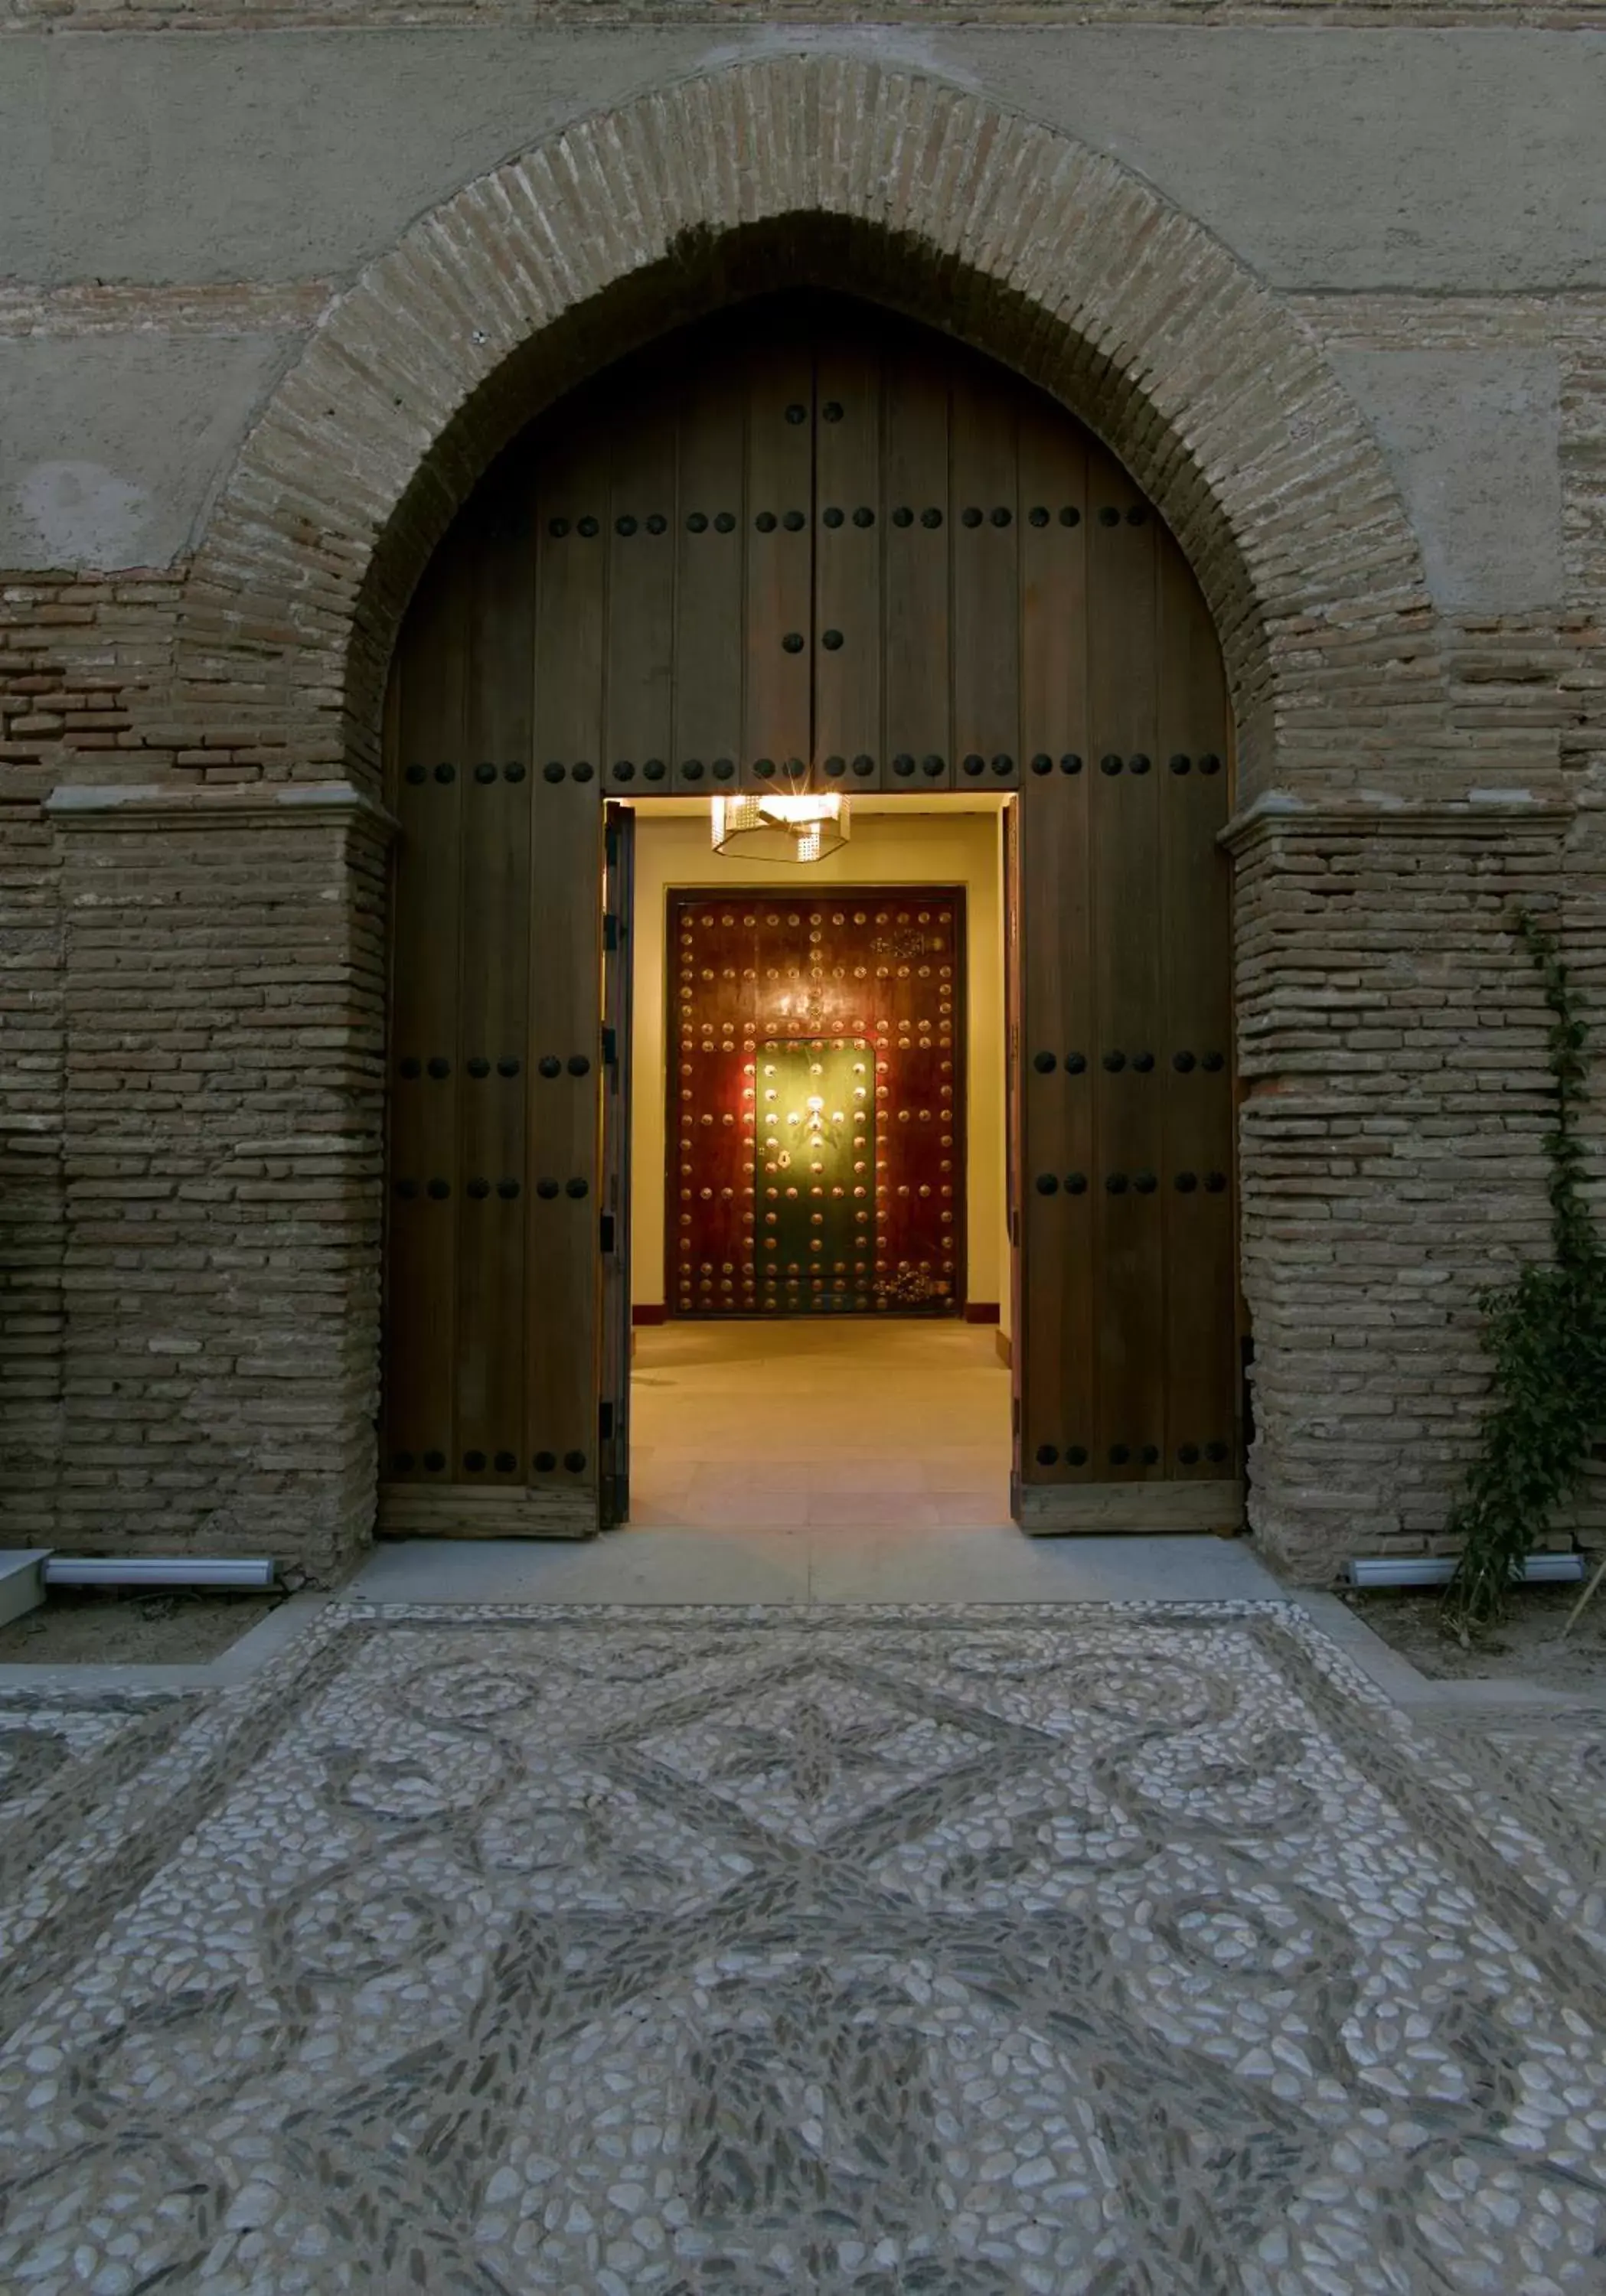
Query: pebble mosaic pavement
[[1125, 1950]]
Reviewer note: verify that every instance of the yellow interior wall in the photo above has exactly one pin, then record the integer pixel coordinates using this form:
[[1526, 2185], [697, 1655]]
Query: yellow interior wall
[[949, 848]]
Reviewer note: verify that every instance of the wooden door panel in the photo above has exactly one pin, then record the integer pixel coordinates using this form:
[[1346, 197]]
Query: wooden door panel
[[985, 554], [777, 636], [915, 512], [710, 662], [848, 545]]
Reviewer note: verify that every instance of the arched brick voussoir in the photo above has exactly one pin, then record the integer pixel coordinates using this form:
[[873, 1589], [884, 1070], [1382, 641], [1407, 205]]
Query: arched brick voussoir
[[992, 227]]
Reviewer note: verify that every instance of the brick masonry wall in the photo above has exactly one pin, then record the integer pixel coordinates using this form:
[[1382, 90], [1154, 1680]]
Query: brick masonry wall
[[190, 1099]]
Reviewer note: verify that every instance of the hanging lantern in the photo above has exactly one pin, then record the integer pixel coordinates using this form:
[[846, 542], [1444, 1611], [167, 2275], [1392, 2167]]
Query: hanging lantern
[[771, 826]]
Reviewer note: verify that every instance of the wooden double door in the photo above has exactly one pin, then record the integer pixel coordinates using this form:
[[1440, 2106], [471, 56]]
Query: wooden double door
[[804, 544]]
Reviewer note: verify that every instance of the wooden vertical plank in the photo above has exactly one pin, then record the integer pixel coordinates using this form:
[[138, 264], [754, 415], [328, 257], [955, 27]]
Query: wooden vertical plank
[[849, 541], [618, 943], [1122, 670], [495, 789], [642, 548], [711, 525], [1192, 767], [916, 513], [425, 1179], [777, 732], [1056, 1342], [984, 547]]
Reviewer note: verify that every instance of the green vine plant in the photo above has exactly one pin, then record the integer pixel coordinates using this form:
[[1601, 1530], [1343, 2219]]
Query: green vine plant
[[1545, 1335]]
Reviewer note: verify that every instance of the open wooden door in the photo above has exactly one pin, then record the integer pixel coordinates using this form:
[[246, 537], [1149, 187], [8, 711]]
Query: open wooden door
[[618, 959]]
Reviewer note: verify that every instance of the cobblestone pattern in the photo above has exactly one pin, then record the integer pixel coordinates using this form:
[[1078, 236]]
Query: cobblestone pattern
[[973, 1951], [231, 15]]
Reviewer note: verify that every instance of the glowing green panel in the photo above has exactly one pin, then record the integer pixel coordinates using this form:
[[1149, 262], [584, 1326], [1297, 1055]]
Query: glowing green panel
[[815, 1157]]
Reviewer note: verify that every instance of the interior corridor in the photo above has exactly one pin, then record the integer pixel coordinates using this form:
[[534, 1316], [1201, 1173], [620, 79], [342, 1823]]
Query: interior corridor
[[898, 1424]]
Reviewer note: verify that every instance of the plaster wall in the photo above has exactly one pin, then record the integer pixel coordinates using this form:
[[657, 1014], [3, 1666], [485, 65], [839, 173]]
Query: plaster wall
[[949, 847]]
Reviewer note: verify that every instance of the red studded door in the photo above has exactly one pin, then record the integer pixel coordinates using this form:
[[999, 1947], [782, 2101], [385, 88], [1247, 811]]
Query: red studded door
[[816, 1104]]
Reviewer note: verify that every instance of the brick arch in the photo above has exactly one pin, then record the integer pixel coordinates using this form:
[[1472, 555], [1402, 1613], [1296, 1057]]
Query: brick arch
[[821, 170]]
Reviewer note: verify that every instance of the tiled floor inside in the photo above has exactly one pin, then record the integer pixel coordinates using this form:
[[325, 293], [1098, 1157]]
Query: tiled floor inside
[[813, 1423], [1084, 1950]]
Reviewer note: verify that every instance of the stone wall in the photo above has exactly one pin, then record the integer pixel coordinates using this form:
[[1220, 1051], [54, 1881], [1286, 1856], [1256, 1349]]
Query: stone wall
[[1389, 470]]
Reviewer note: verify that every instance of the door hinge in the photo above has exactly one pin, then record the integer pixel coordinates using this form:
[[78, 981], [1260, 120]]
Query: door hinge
[[610, 1047], [609, 932], [607, 1231], [605, 1422]]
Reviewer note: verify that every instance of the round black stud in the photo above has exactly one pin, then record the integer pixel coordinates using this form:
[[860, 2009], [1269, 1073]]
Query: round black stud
[[1185, 1183], [577, 1189], [832, 410], [1076, 1184], [765, 521], [1115, 1184], [1001, 766], [1182, 1062], [973, 767], [724, 769], [479, 1066], [479, 1190], [1145, 1183], [508, 1190], [1003, 517], [1118, 1454], [505, 1462], [903, 515], [1038, 515], [793, 641], [698, 524], [1109, 764], [553, 772], [546, 1190], [835, 767], [653, 770], [1212, 1063], [512, 773], [624, 771], [692, 770], [725, 522], [440, 1190], [1180, 764], [904, 764], [558, 527], [508, 1068], [549, 1065], [657, 524], [932, 767], [764, 767], [626, 525], [406, 1190], [434, 1461], [971, 517], [795, 522], [864, 766], [1044, 1063], [1042, 763], [412, 1066], [543, 1462], [1215, 1183], [1143, 1063], [1076, 1063], [833, 517], [446, 772], [1209, 763], [1115, 1062], [832, 641], [1138, 514], [1070, 515], [1138, 764], [1047, 1184], [1070, 763], [795, 413], [1109, 516], [579, 1065], [1151, 1454], [575, 1461], [402, 1462], [1216, 1453], [932, 517], [439, 1068], [582, 772], [1075, 1455], [864, 516], [1048, 1455], [1187, 1454], [589, 527], [415, 773]]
